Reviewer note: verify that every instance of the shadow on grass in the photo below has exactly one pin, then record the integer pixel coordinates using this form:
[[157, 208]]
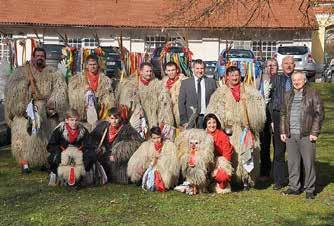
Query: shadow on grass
[[325, 175], [327, 219]]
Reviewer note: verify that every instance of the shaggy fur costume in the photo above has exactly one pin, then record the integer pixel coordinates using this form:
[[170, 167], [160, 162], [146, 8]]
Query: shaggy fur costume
[[153, 99], [76, 94], [167, 164], [223, 164], [231, 114], [122, 148], [67, 156], [174, 93], [52, 87], [197, 175]]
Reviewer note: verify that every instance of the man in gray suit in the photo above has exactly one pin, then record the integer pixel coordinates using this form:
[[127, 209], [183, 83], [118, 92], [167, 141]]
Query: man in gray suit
[[195, 93]]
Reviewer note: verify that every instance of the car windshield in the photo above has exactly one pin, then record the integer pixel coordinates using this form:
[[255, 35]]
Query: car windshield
[[239, 53], [292, 50], [172, 50], [53, 51]]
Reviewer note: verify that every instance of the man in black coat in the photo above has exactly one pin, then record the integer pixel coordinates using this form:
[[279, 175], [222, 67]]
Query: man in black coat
[[194, 96]]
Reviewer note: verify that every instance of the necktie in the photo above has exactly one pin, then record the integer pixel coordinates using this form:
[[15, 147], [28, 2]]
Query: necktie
[[199, 94], [287, 84]]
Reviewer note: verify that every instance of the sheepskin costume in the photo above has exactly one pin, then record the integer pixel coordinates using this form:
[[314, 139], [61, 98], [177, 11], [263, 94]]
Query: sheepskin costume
[[231, 114], [53, 90], [223, 164], [174, 94], [154, 100], [167, 164], [122, 148], [71, 157], [198, 174], [104, 94]]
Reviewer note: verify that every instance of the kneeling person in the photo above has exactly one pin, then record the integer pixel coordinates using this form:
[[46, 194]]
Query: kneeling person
[[155, 163], [69, 156], [115, 142]]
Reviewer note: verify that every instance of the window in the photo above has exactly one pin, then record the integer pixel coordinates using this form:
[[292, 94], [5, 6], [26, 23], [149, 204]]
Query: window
[[241, 44], [152, 42], [90, 42], [75, 42], [4, 47], [264, 49]]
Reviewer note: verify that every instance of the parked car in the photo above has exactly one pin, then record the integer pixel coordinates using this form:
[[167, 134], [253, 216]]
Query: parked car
[[113, 61], [302, 56], [236, 57], [210, 69], [53, 54], [155, 60]]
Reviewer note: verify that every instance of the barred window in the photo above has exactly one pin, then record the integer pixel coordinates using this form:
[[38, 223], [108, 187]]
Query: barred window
[[4, 47], [152, 42], [75, 42], [264, 49]]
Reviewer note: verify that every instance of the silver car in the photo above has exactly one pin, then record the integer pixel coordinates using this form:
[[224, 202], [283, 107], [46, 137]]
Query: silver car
[[302, 56]]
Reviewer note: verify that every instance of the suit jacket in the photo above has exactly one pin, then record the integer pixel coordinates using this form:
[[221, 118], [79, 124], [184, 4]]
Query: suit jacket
[[188, 96]]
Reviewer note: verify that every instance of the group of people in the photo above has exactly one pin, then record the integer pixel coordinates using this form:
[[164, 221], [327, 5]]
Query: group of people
[[193, 134]]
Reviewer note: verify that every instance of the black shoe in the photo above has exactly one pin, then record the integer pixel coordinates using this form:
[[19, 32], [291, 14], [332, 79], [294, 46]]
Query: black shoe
[[277, 187], [290, 192], [310, 195]]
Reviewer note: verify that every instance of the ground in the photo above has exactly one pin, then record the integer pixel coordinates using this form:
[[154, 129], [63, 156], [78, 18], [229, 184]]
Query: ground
[[27, 200]]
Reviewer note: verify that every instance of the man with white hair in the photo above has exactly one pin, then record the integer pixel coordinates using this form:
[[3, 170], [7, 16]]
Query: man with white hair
[[280, 84], [301, 117]]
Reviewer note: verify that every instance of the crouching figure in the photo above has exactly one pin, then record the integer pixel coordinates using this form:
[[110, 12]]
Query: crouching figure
[[69, 156], [155, 163], [196, 157], [115, 141], [223, 170]]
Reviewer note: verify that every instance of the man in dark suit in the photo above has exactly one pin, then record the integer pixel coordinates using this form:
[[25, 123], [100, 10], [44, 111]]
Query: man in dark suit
[[195, 93]]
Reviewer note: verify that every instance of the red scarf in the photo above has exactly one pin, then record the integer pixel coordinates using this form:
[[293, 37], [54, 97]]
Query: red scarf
[[144, 81], [93, 80], [113, 132], [72, 133], [171, 82], [158, 147], [192, 158], [236, 92]]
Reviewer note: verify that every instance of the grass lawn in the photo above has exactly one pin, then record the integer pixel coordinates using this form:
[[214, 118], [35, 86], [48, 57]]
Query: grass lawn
[[27, 200]]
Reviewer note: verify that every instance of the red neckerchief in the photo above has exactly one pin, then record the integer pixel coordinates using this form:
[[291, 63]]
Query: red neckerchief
[[113, 132], [93, 80], [192, 157], [38, 69], [72, 133], [236, 92], [158, 147], [144, 81], [171, 82]]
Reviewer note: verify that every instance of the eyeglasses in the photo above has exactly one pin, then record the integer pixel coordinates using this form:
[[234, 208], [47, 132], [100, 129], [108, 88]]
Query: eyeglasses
[[272, 65]]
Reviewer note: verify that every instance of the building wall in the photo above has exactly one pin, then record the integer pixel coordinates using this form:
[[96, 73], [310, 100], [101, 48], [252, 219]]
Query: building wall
[[205, 44]]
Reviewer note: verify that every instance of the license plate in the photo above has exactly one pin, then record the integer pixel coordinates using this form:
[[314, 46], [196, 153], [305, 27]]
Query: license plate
[[297, 59], [111, 63]]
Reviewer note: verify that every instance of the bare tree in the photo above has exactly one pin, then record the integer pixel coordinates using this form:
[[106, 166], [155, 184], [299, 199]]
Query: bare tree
[[207, 12]]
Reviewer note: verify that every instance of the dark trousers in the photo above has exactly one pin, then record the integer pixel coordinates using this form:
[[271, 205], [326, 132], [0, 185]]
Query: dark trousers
[[301, 148], [199, 121], [279, 152], [265, 139]]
